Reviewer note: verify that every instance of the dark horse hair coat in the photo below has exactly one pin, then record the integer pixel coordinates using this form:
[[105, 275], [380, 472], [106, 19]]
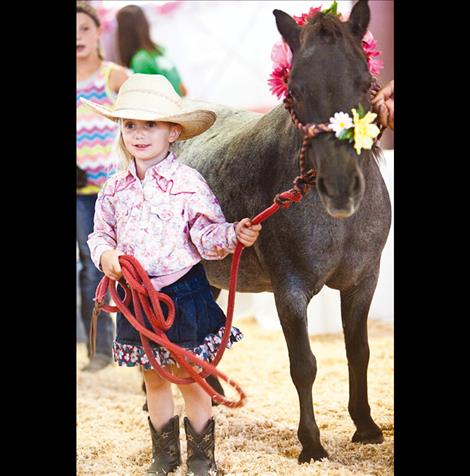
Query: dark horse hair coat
[[335, 235]]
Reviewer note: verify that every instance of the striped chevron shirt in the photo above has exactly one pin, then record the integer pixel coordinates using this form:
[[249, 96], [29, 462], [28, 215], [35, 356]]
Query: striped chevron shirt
[[95, 134]]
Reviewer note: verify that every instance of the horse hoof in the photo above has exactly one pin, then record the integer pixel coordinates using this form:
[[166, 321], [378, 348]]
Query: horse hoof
[[317, 454], [371, 436]]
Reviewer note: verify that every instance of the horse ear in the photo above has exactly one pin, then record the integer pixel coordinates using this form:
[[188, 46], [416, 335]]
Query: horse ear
[[359, 19], [288, 28]]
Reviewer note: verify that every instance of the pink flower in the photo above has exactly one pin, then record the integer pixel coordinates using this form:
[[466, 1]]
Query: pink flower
[[375, 65], [368, 42], [369, 46], [278, 81], [281, 55], [305, 17]]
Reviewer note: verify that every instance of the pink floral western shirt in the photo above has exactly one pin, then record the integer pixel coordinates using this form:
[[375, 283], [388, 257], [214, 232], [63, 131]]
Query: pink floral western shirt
[[168, 221]]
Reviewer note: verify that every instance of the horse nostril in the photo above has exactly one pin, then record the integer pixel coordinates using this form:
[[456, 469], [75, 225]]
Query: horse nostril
[[356, 188], [326, 188], [322, 186]]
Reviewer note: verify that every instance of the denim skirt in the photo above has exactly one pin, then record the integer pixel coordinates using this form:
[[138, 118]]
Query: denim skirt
[[198, 325]]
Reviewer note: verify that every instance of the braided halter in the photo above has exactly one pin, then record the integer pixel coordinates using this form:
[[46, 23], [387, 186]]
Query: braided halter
[[306, 180]]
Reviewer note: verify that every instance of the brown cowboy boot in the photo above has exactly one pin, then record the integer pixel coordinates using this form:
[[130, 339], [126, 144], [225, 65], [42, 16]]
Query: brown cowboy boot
[[166, 455], [201, 447]]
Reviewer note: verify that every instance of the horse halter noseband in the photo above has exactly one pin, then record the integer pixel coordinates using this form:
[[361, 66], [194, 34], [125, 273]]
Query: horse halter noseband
[[306, 180]]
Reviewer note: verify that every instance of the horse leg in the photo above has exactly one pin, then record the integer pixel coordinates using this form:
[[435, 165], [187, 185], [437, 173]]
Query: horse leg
[[355, 304], [292, 310]]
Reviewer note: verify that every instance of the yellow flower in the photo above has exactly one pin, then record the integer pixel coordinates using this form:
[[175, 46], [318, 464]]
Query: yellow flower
[[364, 131]]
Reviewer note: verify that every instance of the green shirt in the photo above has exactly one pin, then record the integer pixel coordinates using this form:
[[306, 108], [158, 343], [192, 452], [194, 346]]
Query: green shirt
[[150, 62]]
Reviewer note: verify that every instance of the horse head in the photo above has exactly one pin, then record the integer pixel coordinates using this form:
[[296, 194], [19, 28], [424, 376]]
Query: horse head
[[330, 74]]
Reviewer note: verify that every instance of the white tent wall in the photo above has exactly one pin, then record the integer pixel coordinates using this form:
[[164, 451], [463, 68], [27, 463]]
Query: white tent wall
[[223, 52], [222, 48]]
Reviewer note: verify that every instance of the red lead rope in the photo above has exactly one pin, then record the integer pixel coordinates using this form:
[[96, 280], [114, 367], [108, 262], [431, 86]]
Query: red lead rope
[[144, 296]]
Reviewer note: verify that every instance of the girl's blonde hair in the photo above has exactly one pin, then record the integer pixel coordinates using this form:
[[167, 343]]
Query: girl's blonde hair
[[123, 156]]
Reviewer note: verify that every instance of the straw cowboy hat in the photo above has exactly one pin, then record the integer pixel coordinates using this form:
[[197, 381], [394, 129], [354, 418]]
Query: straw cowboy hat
[[151, 97]]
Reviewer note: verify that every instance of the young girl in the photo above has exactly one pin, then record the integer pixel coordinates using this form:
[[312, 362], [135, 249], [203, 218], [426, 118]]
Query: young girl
[[164, 213], [138, 51], [100, 80]]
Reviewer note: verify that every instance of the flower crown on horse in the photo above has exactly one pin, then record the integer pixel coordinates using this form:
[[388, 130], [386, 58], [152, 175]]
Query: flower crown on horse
[[358, 129]]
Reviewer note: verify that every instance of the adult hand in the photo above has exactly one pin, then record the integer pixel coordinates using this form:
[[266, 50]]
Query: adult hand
[[247, 233], [383, 105], [109, 261]]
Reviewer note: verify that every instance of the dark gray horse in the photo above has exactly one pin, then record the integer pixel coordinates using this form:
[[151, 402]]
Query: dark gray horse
[[335, 235]]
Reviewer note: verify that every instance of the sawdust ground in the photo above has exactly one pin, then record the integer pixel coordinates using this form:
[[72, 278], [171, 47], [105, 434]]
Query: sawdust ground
[[260, 438]]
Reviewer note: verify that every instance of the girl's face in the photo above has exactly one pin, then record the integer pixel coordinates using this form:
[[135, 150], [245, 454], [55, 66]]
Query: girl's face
[[88, 35], [147, 140]]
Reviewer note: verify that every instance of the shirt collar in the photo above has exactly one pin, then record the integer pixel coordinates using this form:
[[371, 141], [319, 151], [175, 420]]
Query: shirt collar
[[164, 169]]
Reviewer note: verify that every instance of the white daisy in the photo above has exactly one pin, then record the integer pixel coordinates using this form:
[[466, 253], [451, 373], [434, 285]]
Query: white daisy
[[340, 122]]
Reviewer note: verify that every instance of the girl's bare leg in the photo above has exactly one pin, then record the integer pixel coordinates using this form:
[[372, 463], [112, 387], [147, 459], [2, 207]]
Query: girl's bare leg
[[159, 399], [198, 404]]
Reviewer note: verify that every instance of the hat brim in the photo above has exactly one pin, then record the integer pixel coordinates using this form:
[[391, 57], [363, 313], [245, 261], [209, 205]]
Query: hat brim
[[193, 122]]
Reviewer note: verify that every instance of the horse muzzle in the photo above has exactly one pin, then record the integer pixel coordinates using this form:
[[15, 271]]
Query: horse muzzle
[[341, 200]]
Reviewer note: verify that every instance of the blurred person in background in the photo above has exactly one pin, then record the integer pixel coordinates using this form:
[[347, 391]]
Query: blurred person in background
[[99, 80], [138, 52]]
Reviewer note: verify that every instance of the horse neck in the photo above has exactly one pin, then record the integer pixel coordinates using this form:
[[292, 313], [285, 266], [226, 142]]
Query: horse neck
[[275, 142]]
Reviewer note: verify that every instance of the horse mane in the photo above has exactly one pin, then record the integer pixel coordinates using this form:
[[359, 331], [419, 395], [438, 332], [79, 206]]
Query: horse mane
[[377, 154], [326, 25]]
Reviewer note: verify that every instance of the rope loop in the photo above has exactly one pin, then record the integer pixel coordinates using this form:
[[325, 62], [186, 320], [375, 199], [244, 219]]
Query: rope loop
[[303, 183], [147, 301]]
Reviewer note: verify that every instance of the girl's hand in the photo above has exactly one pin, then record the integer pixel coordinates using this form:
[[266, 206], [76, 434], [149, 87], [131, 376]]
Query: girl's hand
[[109, 261], [247, 233]]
